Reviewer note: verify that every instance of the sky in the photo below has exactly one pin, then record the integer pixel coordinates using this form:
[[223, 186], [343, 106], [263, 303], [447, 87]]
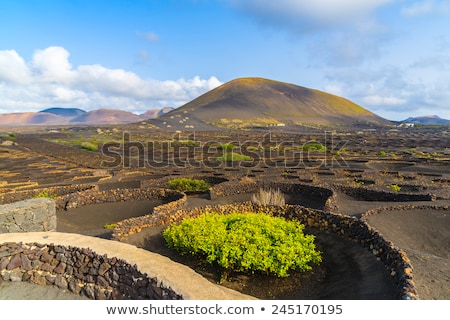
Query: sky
[[392, 57]]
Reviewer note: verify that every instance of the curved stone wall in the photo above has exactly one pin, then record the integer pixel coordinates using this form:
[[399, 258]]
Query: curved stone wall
[[161, 215], [101, 269], [327, 196], [78, 270], [402, 208], [90, 197], [14, 196], [395, 259], [375, 195]]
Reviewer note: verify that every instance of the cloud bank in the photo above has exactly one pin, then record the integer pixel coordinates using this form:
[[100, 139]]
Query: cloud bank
[[426, 7], [50, 80], [307, 15]]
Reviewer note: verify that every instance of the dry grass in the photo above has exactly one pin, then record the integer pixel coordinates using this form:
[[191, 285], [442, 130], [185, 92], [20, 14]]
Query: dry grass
[[269, 197]]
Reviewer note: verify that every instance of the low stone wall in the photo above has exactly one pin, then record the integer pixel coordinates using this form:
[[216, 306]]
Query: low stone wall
[[402, 208], [161, 215], [102, 269], [78, 270], [14, 196], [90, 197], [395, 259], [31, 215], [237, 187], [383, 196], [232, 188]]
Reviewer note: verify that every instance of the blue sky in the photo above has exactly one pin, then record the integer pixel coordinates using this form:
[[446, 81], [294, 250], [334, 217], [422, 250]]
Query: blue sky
[[390, 56]]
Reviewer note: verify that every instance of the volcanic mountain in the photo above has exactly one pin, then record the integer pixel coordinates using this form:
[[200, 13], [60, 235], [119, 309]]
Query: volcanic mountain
[[106, 116], [64, 112], [69, 116], [427, 120], [30, 118], [247, 102], [154, 113]]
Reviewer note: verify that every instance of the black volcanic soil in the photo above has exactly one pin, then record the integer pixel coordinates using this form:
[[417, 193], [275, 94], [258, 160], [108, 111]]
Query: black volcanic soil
[[425, 236], [416, 160]]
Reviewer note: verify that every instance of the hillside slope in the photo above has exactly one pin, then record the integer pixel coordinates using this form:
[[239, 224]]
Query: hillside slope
[[106, 116], [427, 120], [30, 118], [64, 112], [261, 102]]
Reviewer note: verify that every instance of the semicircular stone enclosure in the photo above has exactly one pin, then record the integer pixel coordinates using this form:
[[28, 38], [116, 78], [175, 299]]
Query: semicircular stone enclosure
[[99, 269]]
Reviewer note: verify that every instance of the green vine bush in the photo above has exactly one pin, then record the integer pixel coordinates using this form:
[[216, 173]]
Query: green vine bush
[[45, 194], [394, 187], [245, 242], [89, 146], [233, 157], [188, 184]]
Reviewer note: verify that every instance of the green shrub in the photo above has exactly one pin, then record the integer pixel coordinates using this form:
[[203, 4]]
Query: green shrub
[[232, 156], [269, 197], [245, 242], [109, 226], [227, 146], [89, 146], [45, 194], [382, 153], [188, 143], [314, 147], [8, 136], [188, 184], [394, 187]]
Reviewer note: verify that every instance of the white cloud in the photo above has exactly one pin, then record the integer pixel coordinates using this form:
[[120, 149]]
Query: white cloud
[[334, 89], [377, 100], [52, 65], [427, 7], [13, 68], [307, 13], [394, 92], [50, 80]]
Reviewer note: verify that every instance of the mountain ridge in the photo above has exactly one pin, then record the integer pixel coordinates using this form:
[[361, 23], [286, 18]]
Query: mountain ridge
[[71, 116], [427, 120], [249, 102]]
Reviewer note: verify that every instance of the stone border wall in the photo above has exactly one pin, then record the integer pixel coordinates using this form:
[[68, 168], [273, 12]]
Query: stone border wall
[[395, 259], [80, 271], [14, 196], [161, 215], [402, 208], [236, 187], [33, 215], [90, 197], [175, 200], [375, 195]]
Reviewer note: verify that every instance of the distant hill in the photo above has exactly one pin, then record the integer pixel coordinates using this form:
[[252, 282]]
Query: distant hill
[[30, 118], [106, 116], [427, 120], [154, 113], [65, 112], [249, 102], [70, 116]]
